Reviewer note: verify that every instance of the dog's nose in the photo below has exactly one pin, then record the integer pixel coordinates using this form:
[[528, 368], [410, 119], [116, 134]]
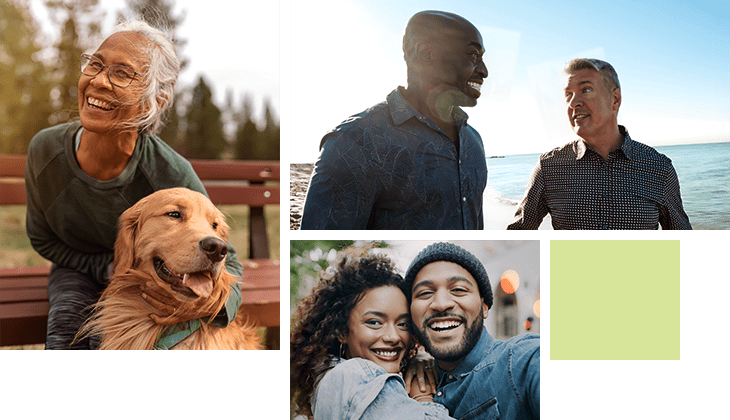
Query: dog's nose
[[214, 248]]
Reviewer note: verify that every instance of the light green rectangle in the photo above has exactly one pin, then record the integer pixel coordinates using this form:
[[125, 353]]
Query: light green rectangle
[[614, 300]]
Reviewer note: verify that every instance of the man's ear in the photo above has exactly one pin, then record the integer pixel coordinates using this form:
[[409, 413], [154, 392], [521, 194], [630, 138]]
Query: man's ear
[[486, 309], [616, 98]]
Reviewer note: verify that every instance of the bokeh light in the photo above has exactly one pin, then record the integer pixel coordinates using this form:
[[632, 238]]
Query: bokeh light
[[510, 281]]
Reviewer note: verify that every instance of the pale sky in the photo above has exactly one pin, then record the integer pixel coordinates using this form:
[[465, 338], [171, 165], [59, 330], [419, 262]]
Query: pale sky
[[234, 45], [673, 61]]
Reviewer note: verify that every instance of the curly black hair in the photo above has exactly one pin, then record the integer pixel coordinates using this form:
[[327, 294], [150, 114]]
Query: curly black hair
[[323, 316]]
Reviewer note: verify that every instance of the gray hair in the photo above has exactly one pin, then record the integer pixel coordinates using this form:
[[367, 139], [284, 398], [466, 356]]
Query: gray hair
[[607, 72], [161, 75]]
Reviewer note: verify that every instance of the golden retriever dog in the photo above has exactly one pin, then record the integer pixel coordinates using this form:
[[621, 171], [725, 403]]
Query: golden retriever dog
[[177, 239]]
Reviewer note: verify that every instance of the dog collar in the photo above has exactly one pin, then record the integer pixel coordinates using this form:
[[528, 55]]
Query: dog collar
[[174, 334]]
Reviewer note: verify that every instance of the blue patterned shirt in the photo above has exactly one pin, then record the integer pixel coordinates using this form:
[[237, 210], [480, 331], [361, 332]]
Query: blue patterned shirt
[[390, 167], [636, 187]]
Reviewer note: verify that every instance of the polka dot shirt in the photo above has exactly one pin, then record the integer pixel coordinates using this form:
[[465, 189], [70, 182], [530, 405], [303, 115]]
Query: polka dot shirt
[[636, 187]]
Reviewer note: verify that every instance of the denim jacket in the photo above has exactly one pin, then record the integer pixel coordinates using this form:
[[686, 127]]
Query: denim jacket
[[360, 389], [496, 380]]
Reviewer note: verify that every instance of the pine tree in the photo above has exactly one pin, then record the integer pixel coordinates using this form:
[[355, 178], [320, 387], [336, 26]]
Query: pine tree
[[270, 135], [204, 137], [80, 27], [247, 133], [170, 133], [24, 79]]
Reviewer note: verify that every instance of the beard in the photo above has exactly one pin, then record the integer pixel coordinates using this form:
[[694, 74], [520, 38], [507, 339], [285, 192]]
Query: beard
[[455, 352]]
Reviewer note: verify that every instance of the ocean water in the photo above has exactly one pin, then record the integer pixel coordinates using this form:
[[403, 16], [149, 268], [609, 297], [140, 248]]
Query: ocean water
[[703, 170]]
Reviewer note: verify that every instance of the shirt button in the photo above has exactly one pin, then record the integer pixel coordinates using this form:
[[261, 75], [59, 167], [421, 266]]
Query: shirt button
[[463, 198], [459, 161], [439, 393], [451, 376]]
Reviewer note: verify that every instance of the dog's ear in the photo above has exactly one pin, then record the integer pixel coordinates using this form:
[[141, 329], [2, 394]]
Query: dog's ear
[[127, 226]]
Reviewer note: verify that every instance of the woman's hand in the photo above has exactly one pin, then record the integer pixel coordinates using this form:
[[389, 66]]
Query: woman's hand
[[421, 368], [165, 305], [415, 390]]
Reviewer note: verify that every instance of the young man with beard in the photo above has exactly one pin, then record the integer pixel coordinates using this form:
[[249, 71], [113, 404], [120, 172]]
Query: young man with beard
[[480, 377], [411, 162]]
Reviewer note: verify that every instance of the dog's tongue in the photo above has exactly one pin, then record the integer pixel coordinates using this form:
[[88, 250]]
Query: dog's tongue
[[200, 283]]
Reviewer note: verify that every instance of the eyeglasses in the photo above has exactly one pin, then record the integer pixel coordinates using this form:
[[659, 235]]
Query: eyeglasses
[[119, 75]]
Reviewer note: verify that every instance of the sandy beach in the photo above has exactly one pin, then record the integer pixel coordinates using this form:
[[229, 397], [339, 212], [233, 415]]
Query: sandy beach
[[498, 214]]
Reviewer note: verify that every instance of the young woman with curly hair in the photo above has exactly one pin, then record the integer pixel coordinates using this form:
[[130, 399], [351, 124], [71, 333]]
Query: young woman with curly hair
[[350, 343]]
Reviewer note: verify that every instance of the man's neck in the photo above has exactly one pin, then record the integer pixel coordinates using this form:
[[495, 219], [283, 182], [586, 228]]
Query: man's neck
[[605, 144], [436, 107], [449, 366]]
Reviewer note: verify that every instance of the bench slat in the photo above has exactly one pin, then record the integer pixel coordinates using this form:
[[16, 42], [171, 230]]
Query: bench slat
[[236, 170], [251, 195], [23, 310], [12, 165], [23, 295]]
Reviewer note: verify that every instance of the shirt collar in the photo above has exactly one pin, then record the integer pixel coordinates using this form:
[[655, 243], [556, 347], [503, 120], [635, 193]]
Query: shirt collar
[[475, 356], [627, 147], [401, 110]]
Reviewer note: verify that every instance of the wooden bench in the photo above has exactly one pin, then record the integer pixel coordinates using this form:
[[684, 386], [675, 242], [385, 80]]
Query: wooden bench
[[23, 294]]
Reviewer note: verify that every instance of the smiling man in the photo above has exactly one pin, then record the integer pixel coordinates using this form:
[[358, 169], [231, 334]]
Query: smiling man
[[604, 180], [411, 162], [480, 377]]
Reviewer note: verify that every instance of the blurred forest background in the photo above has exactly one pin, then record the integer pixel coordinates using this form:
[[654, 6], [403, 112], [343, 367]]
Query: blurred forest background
[[38, 83]]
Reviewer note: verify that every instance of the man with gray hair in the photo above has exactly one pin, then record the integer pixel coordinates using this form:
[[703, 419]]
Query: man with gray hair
[[411, 162], [604, 180]]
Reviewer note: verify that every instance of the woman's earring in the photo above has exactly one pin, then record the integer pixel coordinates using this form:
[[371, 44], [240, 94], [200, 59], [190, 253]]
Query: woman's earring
[[342, 350]]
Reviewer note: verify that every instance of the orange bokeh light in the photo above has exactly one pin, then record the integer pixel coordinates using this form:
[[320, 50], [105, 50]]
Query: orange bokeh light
[[510, 281], [536, 308]]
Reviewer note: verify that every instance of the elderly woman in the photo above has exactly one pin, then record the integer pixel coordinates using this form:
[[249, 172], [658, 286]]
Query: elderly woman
[[81, 176], [350, 344]]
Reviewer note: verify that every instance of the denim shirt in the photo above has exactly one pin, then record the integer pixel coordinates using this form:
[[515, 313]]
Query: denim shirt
[[360, 389], [390, 167], [496, 380]]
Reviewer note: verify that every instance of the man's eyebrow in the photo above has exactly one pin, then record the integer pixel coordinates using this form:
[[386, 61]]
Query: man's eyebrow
[[422, 283], [451, 279], [454, 279], [582, 82], [476, 44]]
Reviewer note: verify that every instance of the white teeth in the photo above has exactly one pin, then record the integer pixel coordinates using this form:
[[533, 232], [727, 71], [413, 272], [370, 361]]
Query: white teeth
[[99, 104], [580, 117], [385, 353], [443, 325], [475, 86]]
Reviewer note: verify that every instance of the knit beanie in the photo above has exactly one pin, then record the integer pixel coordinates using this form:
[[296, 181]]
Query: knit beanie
[[443, 251]]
